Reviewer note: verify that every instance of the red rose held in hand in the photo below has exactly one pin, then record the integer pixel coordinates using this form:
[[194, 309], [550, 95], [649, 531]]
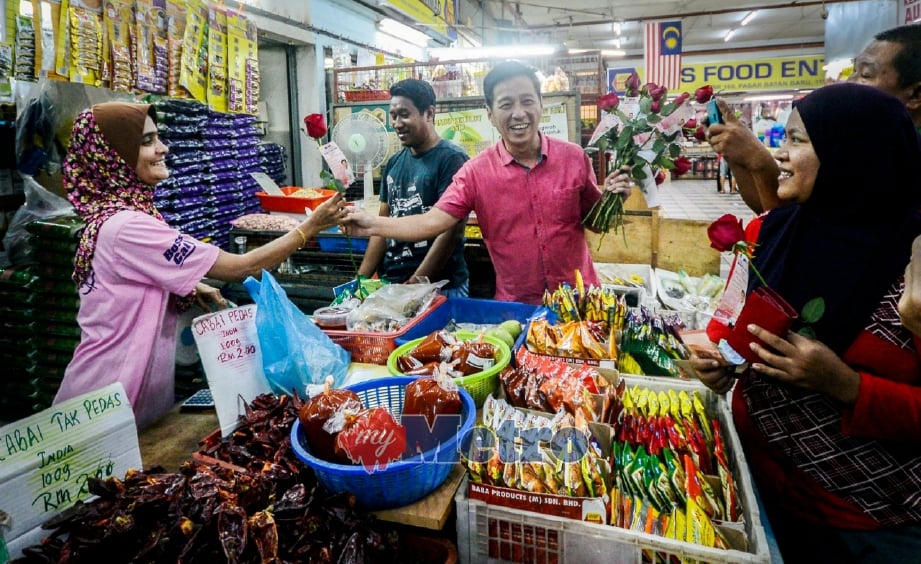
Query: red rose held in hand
[[608, 102], [316, 125], [703, 94], [682, 166], [725, 232], [700, 133]]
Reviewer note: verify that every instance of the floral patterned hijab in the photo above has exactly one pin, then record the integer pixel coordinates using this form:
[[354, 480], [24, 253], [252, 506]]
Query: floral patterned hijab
[[100, 183], [99, 175]]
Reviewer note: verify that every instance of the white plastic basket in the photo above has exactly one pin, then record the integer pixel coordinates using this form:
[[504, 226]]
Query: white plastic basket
[[489, 533], [644, 294]]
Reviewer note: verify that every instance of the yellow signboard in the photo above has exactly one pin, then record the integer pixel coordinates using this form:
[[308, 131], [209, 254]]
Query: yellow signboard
[[439, 15], [786, 73], [789, 73]]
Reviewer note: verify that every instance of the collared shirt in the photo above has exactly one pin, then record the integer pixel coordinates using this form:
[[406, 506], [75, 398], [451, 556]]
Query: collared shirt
[[531, 218]]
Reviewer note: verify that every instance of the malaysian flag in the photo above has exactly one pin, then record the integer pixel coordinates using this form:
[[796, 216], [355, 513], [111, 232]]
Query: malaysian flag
[[663, 54]]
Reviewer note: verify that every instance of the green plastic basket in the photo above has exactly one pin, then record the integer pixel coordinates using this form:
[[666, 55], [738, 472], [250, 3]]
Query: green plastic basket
[[478, 385]]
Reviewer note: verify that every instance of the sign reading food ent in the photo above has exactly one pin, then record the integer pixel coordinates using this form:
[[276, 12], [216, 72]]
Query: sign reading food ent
[[782, 73]]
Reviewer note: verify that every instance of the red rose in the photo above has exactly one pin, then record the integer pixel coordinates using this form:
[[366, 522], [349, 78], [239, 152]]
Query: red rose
[[700, 133], [658, 93], [316, 125], [682, 166], [660, 176], [682, 98], [690, 124], [608, 102], [655, 107], [632, 84], [703, 94], [725, 232]]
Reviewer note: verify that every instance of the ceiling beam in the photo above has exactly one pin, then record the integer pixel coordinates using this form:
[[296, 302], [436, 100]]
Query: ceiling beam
[[685, 14]]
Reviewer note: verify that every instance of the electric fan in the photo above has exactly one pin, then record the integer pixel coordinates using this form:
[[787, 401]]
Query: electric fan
[[366, 144]]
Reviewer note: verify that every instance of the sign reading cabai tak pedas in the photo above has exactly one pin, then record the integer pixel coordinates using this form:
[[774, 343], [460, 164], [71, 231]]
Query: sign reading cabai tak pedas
[[47, 459]]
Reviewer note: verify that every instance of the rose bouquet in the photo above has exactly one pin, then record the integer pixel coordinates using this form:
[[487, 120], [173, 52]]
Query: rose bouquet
[[641, 132]]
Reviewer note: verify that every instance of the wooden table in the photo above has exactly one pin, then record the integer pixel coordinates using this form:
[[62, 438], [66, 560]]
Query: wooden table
[[173, 438]]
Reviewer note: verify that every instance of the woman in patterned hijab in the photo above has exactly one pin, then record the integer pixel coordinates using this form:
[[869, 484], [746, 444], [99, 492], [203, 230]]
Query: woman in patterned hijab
[[100, 178], [134, 272], [831, 424]]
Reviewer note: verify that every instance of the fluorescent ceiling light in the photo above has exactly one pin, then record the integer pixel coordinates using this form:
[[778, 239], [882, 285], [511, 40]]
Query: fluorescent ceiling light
[[503, 51], [747, 19], [613, 53], [616, 27], [768, 98], [403, 31], [729, 35]]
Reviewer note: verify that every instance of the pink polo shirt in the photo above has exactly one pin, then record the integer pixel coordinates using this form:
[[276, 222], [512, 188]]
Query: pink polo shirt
[[530, 218], [128, 314]]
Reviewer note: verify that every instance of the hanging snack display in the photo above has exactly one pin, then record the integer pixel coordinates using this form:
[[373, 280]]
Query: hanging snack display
[[181, 48], [119, 58]]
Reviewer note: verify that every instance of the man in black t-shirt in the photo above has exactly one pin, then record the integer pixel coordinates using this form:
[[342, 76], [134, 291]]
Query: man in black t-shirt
[[411, 183]]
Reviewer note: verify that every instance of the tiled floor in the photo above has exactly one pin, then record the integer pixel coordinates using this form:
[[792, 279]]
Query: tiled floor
[[698, 199]]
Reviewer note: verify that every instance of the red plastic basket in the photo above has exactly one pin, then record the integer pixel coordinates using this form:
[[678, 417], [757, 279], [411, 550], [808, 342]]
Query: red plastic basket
[[366, 95], [375, 348]]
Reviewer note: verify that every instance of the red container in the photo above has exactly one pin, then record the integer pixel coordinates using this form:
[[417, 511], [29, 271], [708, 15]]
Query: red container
[[375, 348], [765, 308], [293, 204]]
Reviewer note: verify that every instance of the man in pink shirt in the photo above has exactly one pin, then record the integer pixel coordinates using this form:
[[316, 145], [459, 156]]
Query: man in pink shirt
[[529, 191]]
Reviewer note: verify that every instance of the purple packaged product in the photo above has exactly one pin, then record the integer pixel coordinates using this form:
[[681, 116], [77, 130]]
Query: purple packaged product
[[221, 153], [186, 203], [229, 198], [225, 188], [218, 165], [181, 131], [219, 144], [184, 193], [225, 176], [247, 153], [185, 144], [179, 158]]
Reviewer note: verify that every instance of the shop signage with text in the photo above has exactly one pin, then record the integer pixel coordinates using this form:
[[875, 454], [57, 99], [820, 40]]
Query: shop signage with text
[[786, 73]]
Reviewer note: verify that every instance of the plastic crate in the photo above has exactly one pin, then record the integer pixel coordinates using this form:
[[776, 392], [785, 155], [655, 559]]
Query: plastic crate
[[469, 310], [375, 348], [339, 243], [490, 533], [635, 296], [366, 95]]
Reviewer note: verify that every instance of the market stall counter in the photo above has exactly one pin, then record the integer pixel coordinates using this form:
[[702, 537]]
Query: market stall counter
[[173, 439]]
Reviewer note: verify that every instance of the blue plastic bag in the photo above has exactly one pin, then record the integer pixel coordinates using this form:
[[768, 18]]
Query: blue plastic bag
[[295, 352]]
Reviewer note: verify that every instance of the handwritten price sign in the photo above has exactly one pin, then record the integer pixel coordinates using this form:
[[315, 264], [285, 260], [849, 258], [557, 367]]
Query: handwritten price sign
[[47, 459], [229, 349]]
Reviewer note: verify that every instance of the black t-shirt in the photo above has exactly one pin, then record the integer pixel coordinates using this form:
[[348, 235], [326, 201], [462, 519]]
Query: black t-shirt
[[410, 185]]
